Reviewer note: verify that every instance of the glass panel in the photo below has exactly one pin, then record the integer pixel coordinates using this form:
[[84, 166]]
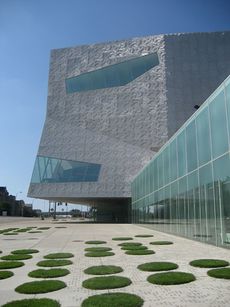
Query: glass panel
[[218, 125], [52, 170], [113, 75], [173, 160], [222, 196], [191, 146], [227, 93], [203, 137], [181, 154]]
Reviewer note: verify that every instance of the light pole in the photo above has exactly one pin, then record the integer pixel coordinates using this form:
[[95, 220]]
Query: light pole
[[19, 202]]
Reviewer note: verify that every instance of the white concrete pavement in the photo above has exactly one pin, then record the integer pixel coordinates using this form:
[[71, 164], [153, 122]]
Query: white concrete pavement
[[204, 292]]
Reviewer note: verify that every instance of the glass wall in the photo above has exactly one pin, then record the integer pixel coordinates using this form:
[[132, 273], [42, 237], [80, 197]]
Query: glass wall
[[47, 169], [113, 75], [185, 189]]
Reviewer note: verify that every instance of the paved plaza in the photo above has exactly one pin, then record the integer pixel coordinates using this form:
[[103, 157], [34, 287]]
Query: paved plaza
[[204, 291]]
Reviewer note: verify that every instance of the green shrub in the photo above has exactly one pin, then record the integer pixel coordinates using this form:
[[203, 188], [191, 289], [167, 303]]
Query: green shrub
[[116, 299], [98, 249], [209, 263], [157, 266], [16, 257], [141, 247], [59, 256], [106, 282], [220, 273], [43, 228], [54, 263], [10, 264], [33, 302], [140, 252], [161, 243], [99, 254], [103, 270], [95, 242], [5, 274], [171, 278], [42, 286], [25, 251], [130, 244], [51, 273], [122, 239]]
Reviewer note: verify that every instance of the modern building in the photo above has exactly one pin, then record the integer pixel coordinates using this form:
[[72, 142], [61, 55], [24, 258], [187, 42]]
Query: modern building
[[112, 106]]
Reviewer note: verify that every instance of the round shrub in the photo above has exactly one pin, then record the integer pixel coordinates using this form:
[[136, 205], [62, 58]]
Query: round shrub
[[157, 266], [140, 252], [24, 251], [16, 257], [5, 274], [95, 242], [98, 249], [59, 256], [99, 254], [209, 263], [106, 282], [10, 264], [161, 243], [103, 270], [141, 247], [51, 273], [122, 239], [33, 302], [54, 263], [130, 244], [117, 299], [171, 278], [220, 273], [144, 236], [44, 228], [42, 286]]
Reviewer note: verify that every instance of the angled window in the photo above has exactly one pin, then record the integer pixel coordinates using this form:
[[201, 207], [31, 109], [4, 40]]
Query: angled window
[[113, 75], [53, 170]]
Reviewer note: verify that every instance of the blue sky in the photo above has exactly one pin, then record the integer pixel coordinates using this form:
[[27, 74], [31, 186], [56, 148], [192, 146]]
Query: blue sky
[[29, 29]]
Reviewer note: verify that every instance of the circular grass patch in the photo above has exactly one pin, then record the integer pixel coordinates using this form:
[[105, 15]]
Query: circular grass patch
[[161, 243], [220, 273], [10, 233], [42, 286], [99, 254], [122, 238], [25, 251], [157, 266], [43, 228], [60, 227], [10, 264], [130, 244], [16, 257], [103, 270], [51, 273], [98, 249], [54, 263], [208, 263], [171, 278], [144, 236], [33, 302], [5, 274], [141, 247], [117, 299], [140, 252], [59, 256], [95, 242], [106, 282]]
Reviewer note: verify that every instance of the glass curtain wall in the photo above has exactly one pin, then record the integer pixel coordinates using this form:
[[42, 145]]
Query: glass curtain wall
[[185, 189]]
